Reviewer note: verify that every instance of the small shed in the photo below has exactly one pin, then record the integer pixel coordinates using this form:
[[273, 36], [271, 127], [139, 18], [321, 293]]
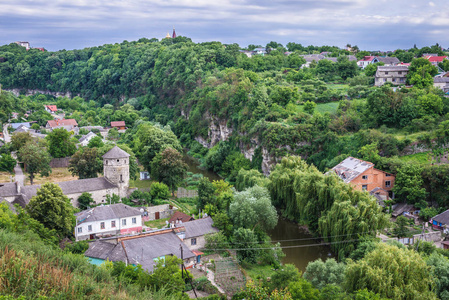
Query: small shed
[[144, 175], [120, 125], [441, 220]]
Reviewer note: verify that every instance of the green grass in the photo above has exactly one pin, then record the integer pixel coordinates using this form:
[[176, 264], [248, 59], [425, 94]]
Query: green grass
[[141, 184], [157, 223], [258, 271], [338, 86], [419, 158], [330, 107]]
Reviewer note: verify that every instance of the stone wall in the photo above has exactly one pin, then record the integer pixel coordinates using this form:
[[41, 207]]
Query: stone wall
[[98, 196]]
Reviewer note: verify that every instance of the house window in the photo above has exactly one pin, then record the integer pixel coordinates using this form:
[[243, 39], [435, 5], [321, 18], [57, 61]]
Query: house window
[[193, 242], [387, 183], [121, 178], [80, 229], [89, 228], [118, 160], [102, 225], [106, 162], [364, 177], [124, 222], [112, 224], [134, 220], [364, 187], [386, 73]]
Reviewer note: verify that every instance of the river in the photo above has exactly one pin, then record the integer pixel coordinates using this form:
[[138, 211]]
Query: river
[[194, 167], [291, 234], [284, 230]]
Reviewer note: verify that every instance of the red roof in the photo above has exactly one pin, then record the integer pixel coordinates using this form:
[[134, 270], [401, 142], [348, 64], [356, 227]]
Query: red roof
[[181, 217], [196, 252], [118, 124], [436, 58], [367, 58], [51, 107], [174, 33], [64, 122]]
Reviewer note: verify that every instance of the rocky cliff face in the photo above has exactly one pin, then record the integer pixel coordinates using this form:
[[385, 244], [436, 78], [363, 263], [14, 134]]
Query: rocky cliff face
[[16, 93], [218, 131]]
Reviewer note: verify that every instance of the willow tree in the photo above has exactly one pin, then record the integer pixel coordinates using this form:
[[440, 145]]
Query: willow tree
[[282, 188], [354, 214], [392, 273]]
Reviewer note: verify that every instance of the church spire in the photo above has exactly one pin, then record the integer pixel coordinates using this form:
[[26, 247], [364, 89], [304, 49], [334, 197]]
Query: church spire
[[174, 33]]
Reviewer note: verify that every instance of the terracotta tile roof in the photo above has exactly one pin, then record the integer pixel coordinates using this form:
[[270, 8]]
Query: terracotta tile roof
[[117, 123], [51, 107], [63, 122], [181, 217], [436, 58]]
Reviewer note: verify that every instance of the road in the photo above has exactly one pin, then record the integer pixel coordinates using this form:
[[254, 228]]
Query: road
[[6, 136]]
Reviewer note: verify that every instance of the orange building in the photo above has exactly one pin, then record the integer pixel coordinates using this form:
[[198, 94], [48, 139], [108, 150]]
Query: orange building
[[364, 177], [120, 125]]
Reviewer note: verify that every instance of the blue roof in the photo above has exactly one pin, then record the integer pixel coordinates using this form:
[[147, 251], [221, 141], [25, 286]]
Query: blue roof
[[17, 125]]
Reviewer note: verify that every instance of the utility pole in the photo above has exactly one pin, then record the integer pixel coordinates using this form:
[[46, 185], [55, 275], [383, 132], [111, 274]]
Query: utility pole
[[182, 270]]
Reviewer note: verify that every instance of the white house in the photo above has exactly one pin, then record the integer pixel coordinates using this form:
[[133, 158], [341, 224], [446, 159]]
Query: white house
[[85, 139], [107, 220]]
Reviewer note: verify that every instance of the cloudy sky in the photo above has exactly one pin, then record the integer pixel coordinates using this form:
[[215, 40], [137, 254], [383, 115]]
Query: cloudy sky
[[369, 24]]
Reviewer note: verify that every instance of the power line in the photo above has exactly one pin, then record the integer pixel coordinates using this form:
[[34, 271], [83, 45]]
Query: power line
[[302, 239]]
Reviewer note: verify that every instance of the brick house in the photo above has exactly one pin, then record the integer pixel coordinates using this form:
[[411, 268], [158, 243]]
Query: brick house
[[364, 177]]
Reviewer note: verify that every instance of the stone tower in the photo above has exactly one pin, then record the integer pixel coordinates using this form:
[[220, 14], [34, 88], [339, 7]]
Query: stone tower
[[116, 169]]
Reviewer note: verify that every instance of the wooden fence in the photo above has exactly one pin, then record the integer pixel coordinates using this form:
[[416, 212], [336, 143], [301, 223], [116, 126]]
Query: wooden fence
[[60, 162]]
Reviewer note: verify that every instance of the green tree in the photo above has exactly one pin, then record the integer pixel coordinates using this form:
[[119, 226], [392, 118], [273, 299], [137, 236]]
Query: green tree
[[304, 290], [60, 144], [7, 163], [248, 207], [440, 273], [206, 192], [408, 185], [159, 190], [309, 107], [53, 209], [400, 229], [85, 201], [382, 271], [421, 72], [321, 273], [36, 159], [249, 178], [247, 241], [86, 163], [19, 139], [167, 274], [282, 277], [96, 142], [169, 168], [371, 69]]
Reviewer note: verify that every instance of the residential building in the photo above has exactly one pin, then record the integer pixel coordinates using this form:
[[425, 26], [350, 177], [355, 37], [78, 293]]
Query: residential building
[[260, 51], [441, 82], [180, 217], [68, 124], [115, 181], [120, 125], [24, 44], [145, 249], [193, 232], [107, 220], [387, 60], [51, 108], [17, 125], [395, 74], [85, 139], [435, 60], [365, 61], [364, 177], [440, 221]]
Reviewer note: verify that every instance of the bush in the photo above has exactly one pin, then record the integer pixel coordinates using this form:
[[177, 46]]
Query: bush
[[160, 191]]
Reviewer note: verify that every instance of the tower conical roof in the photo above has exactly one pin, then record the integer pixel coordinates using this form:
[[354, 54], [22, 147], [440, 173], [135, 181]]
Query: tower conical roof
[[116, 152], [174, 32]]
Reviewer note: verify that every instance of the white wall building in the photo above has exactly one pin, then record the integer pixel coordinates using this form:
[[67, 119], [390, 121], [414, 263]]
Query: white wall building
[[106, 220]]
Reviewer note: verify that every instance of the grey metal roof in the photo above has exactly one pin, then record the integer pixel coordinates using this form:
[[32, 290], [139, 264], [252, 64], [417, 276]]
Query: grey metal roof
[[442, 218], [441, 79], [312, 57], [154, 246], [100, 249], [107, 212], [17, 125], [351, 168], [8, 189], [198, 227], [87, 136], [392, 68], [116, 152], [388, 60]]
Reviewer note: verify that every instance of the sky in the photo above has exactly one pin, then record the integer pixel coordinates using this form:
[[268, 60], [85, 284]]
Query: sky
[[371, 25]]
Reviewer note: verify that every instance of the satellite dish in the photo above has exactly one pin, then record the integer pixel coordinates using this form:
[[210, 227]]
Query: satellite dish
[[142, 210], [166, 222]]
